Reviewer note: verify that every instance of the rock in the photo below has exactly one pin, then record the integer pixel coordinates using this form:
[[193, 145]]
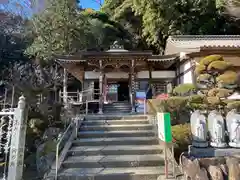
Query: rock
[[44, 159], [202, 174], [206, 162], [224, 169], [51, 133], [233, 168], [190, 168], [215, 173]]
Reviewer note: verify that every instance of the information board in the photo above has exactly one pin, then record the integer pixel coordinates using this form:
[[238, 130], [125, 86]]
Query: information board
[[140, 99], [164, 127]]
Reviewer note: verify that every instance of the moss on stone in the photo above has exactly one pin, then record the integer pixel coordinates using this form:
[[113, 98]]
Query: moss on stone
[[218, 65], [209, 59], [183, 89], [200, 69]]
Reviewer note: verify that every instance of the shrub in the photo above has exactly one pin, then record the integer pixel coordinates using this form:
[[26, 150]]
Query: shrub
[[207, 60], [213, 100], [221, 93], [233, 105], [176, 103], [204, 77], [199, 69], [196, 98], [219, 65], [184, 89], [229, 77], [182, 135]]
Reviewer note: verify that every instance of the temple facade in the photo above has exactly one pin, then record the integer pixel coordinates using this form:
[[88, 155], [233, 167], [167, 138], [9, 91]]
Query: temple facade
[[117, 75]]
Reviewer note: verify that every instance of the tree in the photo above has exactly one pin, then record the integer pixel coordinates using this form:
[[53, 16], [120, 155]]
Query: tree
[[102, 31], [153, 21], [121, 11], [58, 30], [216, 80]]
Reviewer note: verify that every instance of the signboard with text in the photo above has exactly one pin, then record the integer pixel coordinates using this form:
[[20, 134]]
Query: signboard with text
[[164, 127]]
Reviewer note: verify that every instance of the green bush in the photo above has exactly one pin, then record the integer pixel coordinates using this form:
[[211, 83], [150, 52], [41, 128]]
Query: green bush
[[182, 136], [204, 77], [233, 105], [184, 89], [229, 77], [207, 60], [221, 93], [200, 69], [219, 65]]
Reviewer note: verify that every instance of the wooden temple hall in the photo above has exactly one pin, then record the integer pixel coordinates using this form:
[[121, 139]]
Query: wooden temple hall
[[118, 74]]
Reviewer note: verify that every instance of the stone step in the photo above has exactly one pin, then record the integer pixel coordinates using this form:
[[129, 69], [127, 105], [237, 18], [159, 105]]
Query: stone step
[[115, 150], [121, 121], [105, 134], [116, 141], [116, 111], [117, 127], [118, 116], [116, 105], [131, 173], [111, 161]]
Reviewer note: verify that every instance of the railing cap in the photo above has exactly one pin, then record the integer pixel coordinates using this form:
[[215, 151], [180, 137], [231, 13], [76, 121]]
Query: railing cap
[[21, 102]]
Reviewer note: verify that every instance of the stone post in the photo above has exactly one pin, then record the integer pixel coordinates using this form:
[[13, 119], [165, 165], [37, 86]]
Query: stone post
[[132, 85], [101, 88], [65, 87], [17, 146]]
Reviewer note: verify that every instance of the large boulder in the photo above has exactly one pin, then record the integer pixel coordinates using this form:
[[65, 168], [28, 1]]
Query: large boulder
[[215, 173], [233, 168]]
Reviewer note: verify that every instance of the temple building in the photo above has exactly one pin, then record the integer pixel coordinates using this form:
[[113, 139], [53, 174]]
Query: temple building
[[118, 74], [192, 48]]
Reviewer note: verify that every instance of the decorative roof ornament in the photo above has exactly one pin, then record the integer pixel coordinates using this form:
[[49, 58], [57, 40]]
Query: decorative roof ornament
[[116, 47]]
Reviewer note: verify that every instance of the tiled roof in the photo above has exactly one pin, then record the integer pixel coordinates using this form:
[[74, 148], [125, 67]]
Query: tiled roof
[[170, 57], [193, 43]]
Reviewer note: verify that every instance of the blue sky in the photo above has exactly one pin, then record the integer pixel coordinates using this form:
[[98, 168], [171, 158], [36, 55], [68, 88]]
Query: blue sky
[[90, 4]]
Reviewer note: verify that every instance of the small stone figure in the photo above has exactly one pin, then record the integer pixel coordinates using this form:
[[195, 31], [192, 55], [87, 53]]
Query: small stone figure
[[233, 127], [216, 129], [199, 130]]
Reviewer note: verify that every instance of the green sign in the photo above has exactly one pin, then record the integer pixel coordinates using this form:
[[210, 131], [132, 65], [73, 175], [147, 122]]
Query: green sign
[[164, 127]]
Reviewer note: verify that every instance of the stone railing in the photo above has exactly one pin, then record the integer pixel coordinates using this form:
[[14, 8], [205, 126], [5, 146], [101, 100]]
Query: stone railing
[[13, 124]]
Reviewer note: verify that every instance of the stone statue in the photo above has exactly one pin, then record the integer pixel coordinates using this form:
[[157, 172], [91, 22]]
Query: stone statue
[[199, 129], [233, 128], [216, 129]]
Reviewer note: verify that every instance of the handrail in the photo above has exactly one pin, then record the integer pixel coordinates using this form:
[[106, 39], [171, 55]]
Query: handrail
[[72, 124]]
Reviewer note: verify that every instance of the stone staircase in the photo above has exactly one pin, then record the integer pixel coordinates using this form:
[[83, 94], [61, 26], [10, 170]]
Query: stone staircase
[[120, 107], [114, 148]]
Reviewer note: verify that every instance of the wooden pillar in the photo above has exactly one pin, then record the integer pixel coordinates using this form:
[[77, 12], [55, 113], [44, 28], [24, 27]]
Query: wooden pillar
[[65, 87], [132, 85], [105, 88], [101, 88]]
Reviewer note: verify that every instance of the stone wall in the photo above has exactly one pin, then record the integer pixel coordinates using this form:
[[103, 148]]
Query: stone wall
[[217, 168]]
